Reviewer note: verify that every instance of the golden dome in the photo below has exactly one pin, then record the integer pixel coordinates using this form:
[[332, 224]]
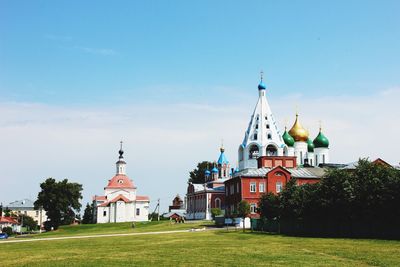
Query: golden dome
[[298, 133]]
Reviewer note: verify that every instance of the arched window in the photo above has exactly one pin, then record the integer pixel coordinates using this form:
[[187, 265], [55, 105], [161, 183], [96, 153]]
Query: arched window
[[272, 150], [255, 136], [285, 151], [240, 153], [218, 203], [269, 136], [316, 160], [256, 126], [323, 158], [253, 152], [301, 157], [267, 126]]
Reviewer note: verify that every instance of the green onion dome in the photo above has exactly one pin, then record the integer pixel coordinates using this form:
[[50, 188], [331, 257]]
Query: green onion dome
[[310, 145], [321, 140], [288, 139]]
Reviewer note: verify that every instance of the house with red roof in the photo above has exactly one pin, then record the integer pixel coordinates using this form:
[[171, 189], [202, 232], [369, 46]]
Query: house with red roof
[[9, 222], [120, 203]]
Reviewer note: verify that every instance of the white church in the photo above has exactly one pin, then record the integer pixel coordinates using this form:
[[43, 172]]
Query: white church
[[263, 138], [120, 202]]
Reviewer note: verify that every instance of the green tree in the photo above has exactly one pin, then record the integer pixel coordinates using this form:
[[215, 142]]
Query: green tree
[[215, 212], [269, 205], [88, 214], [243, 211], [28, 222], [197, 175], [60, 200], [7, 212]]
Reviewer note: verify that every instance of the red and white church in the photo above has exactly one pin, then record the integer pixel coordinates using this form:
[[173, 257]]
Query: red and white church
[[268, 159], [120, 203]]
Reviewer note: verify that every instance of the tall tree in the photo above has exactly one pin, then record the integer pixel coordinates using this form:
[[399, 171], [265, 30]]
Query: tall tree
[[268, 206], [60, 200], [88, 214], [197, 175], [243, 211]]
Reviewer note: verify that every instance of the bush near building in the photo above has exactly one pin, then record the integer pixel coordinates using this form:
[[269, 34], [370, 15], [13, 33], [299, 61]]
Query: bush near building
[[363, 202]]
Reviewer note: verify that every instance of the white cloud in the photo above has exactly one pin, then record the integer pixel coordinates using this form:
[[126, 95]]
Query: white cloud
[[164, 142], [97, 51]]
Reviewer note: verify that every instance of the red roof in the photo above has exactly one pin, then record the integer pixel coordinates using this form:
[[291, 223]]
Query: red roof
[[120, 181], [142, 198], [100, 198], [8, 220], [117, 198]]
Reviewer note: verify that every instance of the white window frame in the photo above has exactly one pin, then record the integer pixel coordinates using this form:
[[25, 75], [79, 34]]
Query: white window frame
[[253, 208], [253, 187], [261, 187], [278, 187]]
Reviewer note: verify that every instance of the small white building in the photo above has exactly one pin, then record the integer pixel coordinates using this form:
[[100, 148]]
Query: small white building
[[120, 202], [26, 207]]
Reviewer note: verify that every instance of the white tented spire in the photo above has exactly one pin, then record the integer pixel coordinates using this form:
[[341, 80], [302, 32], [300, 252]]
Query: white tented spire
[[262, 137]]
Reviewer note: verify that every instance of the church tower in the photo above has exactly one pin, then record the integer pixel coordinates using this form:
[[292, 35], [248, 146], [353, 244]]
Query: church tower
[[224, 171], [262, 137], [300, 136], [121, 164], [321, 150]]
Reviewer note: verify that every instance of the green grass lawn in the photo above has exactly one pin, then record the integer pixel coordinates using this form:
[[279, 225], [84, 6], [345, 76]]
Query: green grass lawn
[[119, 228], [221, 248]]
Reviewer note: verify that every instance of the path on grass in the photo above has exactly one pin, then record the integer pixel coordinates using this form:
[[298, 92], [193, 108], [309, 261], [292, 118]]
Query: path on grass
[[106, 235]]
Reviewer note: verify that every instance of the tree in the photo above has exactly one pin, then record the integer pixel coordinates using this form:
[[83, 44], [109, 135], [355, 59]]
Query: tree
[[243, 211], [7, 212], [60, 200], [28, 222], [215, 212], [268, 206], [197, 175], [88, 214]]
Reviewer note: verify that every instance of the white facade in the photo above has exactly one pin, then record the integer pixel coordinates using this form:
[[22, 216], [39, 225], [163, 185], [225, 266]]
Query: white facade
[[120, 202], [262, 137]]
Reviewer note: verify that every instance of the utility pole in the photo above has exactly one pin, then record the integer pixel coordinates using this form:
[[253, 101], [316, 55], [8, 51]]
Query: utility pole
[[158, 212]]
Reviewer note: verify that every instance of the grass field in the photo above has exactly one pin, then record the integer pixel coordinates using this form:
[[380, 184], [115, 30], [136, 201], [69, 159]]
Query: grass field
[[119, 228], [208, 248]]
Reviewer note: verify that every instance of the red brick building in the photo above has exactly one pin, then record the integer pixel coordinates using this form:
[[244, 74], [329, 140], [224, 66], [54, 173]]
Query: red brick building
[[271, 176]]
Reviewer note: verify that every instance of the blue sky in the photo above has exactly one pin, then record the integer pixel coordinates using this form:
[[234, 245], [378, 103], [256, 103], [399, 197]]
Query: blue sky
[[172, 78], [70, 52]]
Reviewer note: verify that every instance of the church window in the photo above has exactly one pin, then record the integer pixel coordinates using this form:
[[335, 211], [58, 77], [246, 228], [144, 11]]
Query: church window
[[311, 162], [323, 158], [120, 181], [253, 152], [253, 208], [316, 160], [278, 187], [256, 126], [267, 126], [261, 187], [269, 136], [224, 173], [105, 213], [301, 157], [255, 137], [271, 150], [218, 203], [137, 212], [266, 117], [253, 187]]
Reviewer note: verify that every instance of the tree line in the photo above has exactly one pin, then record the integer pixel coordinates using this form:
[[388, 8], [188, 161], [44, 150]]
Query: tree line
[[362, 202]]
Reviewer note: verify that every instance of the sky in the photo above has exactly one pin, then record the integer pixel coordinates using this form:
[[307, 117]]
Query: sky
[[173, 78]]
